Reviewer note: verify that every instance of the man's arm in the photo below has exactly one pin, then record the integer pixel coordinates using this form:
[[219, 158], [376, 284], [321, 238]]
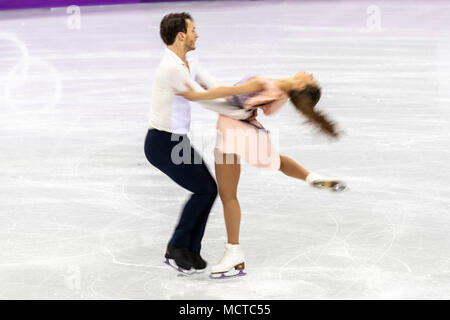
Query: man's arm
[[179, 78], [204, 78], [251, 86], [223, 107]]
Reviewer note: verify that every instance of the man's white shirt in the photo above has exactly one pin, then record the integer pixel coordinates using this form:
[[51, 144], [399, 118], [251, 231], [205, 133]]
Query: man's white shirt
[[172, 113]]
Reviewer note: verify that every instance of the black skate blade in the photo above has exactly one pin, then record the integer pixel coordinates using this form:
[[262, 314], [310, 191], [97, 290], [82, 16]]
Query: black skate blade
[[199, 271], [227, 275], [171, 263]]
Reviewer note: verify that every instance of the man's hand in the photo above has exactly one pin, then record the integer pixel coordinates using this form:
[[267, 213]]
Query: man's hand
[[253, 116]]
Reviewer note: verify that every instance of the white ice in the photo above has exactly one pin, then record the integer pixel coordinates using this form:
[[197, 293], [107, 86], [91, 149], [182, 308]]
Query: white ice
[[83, 215]]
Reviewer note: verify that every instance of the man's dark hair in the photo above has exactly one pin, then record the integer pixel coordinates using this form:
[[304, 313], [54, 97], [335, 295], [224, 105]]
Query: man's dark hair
[[171, 24]]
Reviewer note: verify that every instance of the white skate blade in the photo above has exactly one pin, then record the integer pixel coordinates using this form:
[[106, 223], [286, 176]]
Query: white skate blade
[[237, 271], [230, 274], [331, 185], [171, 263]]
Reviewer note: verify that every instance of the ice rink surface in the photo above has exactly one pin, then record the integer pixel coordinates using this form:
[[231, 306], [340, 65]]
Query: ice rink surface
[[83, 215]]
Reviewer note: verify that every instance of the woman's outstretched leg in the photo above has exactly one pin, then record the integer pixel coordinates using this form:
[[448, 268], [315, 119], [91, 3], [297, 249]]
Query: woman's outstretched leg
[[292, 169], [228, 171]]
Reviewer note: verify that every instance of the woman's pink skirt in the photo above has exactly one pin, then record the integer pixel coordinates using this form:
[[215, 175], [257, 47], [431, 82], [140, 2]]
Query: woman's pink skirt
[[251, 144]]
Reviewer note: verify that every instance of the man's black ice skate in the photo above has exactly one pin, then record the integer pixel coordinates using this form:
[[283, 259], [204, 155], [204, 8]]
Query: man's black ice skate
[[179, 259], [197, 262]]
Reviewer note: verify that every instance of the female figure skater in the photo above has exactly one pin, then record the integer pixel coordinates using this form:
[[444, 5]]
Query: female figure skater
[[249, 140]]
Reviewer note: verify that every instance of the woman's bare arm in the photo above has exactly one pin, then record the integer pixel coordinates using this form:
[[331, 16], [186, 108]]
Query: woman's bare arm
[[252, 85]]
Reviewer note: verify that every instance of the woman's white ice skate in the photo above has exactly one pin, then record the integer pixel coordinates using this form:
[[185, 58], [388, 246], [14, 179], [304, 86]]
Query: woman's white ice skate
[[321, 182], [231, 265]]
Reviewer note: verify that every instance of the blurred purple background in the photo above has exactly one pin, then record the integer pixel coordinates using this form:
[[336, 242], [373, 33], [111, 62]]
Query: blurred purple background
[[27, 4]]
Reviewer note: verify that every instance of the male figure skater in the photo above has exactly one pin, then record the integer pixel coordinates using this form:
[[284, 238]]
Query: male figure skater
[[169, 122]]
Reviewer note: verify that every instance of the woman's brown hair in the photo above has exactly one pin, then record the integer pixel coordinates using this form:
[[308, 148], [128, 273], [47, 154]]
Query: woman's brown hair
[[304, 101]]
